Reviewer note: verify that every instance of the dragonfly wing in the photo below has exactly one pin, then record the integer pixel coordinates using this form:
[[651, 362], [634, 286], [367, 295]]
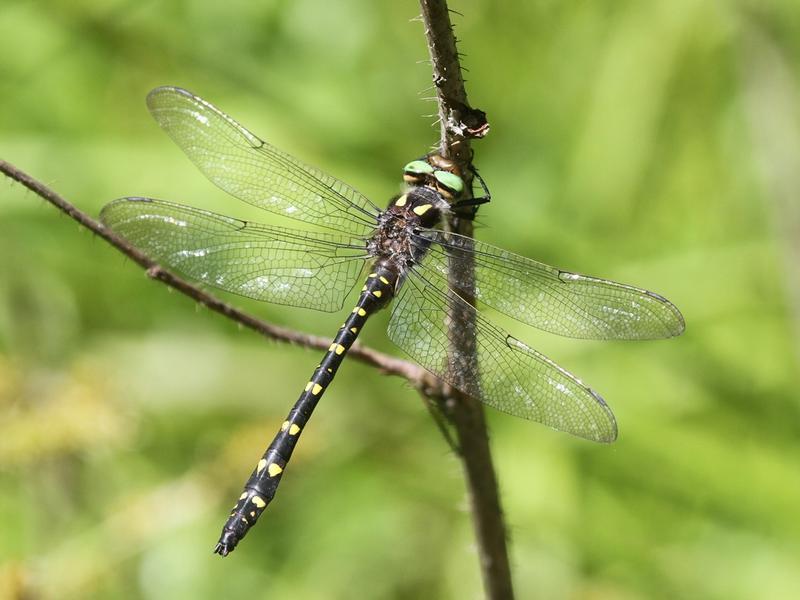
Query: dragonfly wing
[[509, 375], [550, 299], [253, 170], [274, 264]]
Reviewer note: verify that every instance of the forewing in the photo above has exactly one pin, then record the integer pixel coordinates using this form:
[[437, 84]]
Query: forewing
[[557, 301], [273, 264], [253, 170], [509, 375]]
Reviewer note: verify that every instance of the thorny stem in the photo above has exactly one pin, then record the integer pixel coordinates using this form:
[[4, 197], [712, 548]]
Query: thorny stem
[[465, 413]]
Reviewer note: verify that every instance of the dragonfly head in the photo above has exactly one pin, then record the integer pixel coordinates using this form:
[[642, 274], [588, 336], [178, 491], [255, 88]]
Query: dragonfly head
[[437, 173]]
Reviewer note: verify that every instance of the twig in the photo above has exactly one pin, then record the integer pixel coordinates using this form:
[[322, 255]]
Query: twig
[[417, 376], [465, 413]]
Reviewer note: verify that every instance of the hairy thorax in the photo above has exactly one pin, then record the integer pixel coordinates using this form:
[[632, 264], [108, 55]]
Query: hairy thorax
[[396, 241]]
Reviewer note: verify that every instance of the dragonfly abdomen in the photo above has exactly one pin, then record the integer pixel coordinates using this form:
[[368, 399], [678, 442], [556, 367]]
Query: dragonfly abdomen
[[260, 489]]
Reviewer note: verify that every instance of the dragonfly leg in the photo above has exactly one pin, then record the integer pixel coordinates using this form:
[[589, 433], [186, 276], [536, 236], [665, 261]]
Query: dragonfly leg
[[487, 196], [468, 207]]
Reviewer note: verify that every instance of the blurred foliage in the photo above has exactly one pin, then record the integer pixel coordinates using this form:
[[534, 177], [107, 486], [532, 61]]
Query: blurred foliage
[[651, 142]]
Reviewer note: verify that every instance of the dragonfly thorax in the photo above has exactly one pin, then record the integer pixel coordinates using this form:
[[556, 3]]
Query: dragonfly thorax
[[396, 238], [421, 205]]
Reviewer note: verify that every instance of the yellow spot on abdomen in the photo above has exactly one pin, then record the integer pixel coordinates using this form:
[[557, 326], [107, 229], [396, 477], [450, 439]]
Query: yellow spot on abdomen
[[401, 201], [316, 389], [338, 348], [354, 329], [377, 293], [285, 426], [384, 280], [258, 500], [310, 384], [294, 429], [273, 470], [362, 312], [261, 464]]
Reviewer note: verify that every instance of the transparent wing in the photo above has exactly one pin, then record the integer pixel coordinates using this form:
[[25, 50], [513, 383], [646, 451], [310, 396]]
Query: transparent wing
[[274, 264], [254, 171], [557, 301], [509, 375]]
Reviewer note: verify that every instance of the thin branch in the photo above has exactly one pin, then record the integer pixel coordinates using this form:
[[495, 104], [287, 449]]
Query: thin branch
[[417, 376], [457, 120]]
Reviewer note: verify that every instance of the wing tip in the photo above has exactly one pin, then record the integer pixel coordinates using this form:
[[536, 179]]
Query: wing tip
[[609, 435], [163, 111], [167, 89], [111, 206], [677, 324]]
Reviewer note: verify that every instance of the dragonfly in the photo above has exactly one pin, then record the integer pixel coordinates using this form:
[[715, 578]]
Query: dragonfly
[[406, 257]]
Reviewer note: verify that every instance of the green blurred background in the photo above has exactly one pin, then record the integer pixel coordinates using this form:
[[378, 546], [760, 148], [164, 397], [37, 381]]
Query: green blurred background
[[656, 143]]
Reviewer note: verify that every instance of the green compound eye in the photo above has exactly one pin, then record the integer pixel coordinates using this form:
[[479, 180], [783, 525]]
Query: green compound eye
[[418, 167], [450, 181]]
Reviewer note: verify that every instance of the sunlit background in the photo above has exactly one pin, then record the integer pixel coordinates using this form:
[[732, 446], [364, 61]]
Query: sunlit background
[[656, 143]]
